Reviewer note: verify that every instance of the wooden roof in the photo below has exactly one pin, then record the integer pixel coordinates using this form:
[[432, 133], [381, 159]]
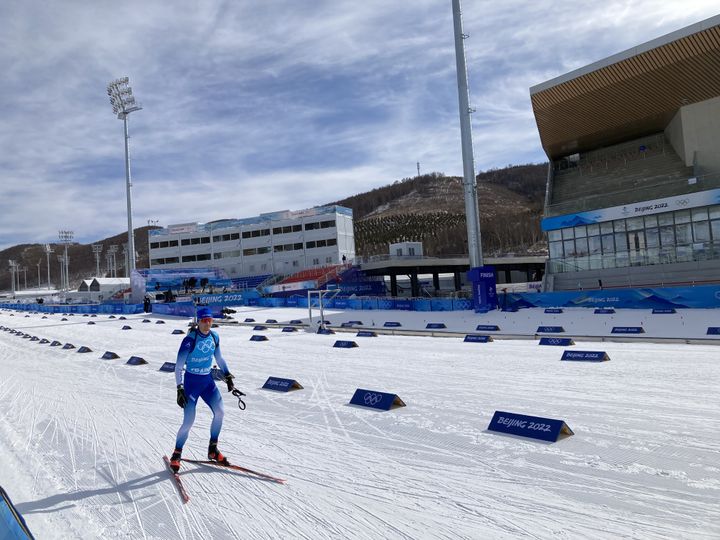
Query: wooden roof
[[628, 95]]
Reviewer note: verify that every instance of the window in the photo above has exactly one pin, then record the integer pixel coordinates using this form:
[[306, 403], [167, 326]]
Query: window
[[567, 234], [554, 236], [312, 226], [217, 255], [581, 247], [327, 224], [682, 216], [652, 239], [619, 225], [188, 258], [667, 235], [329, 260], [581, 231], [172, 243], [556, 250], [332, 241], [298, 245], [216, 238], [608, 243], [594, 245], [203, 257], [683, 234], [154, 245], [634, 224], [665, 219], [296, 263], [316, 262], [593, 229], [699, 214], [411, 251], [606, 227], [310, 245], [250, 251], [701, 231], [185, 242]]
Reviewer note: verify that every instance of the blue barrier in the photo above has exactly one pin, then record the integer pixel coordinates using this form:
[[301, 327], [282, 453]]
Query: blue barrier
[[258, 338], [534, 427], [136, 361], [178, 331], [12, 523], [146, 320], [68, 346], [342, 344], [126, 327], [249, 320], [553, 310], [713, 331], [549, 330], [34, 338], [487, 328], [167, 367], [281, 385], [289, 329], [43, 341], [510, 309], [435, 325], [295, 321], [159, 321], [271, 321], [109, 355], [355, 322], [55, 344], [604, 311], [84, 349], [557, 342], [376, 400], [259, 328], [627, 330], [366, 333], [325, 331], [663, 311], [585, 356], [346, 325], [392, 324], [473, 338], [91, 322]]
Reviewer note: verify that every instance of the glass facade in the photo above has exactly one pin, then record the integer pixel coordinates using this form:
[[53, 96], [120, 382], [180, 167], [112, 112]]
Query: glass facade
[[680, 236]]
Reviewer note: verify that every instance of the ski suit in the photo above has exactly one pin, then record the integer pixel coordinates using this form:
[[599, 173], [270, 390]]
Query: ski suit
[[196, 355]]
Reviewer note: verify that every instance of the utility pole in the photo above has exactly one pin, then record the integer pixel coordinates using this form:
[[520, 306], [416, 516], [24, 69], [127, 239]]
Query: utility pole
[[418, 167], [38, 265]]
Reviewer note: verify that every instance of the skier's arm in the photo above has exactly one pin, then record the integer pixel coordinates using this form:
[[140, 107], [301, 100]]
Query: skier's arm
[[182, 355], [220, 360]]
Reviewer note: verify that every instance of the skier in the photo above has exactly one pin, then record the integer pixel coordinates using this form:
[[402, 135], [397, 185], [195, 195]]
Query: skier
[[196, 354]]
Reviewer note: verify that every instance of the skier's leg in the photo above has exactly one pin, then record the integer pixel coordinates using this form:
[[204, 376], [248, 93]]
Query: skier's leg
[[214, 400], [188, 419]]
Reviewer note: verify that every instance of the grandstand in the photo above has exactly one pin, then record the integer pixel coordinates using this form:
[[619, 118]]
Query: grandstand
[[633, 190]]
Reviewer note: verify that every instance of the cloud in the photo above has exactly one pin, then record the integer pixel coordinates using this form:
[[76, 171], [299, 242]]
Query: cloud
[[255, 107]]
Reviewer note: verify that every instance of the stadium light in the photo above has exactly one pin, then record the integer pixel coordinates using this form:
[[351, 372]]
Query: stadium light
[[65, 238], [469, 180], [97, 249], [48, 251], [123, 103]]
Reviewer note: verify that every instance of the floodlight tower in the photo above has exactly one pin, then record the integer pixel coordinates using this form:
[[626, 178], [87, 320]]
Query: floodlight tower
[[48, 251], [65, 238], [97, 249], [113, 250], [469, 181], [12, 265], [123, 103]]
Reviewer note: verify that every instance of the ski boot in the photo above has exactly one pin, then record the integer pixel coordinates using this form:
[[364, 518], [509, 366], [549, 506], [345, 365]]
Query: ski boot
[[215, 455], [175, 460]]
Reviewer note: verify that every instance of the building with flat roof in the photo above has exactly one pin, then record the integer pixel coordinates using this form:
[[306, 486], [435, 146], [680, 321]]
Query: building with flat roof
[[633, 188], [283, 242]]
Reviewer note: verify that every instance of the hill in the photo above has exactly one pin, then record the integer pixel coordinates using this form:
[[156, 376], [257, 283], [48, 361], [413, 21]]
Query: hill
[[431, 208]]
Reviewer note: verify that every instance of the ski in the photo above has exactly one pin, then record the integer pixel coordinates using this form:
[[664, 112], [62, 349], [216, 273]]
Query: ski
[[236, 468], [178, 482]]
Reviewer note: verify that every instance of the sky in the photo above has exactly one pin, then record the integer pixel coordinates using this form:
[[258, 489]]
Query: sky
[[252, 107], [82, 439]]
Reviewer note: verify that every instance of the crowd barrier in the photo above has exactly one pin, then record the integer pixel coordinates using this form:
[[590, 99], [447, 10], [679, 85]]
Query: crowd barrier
[[127, 309]]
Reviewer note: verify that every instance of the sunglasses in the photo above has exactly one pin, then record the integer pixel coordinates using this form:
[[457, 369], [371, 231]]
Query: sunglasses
[[209, 319]]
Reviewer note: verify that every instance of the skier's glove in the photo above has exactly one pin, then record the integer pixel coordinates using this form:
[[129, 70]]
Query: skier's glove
[[229, 381], [181, 397]]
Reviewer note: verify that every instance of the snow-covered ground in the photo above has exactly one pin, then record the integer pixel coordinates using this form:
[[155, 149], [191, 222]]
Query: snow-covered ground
[[81, 439]]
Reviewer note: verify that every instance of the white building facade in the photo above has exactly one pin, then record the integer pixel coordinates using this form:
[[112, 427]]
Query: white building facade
[[275, 243]]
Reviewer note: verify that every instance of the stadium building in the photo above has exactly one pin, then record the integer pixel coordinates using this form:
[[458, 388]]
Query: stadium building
[[633, 188], [275, 243]]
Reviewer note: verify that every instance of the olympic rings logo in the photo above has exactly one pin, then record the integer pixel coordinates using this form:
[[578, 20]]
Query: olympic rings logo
[[683, 202], [205, 346], [372, 398], [554, 341]]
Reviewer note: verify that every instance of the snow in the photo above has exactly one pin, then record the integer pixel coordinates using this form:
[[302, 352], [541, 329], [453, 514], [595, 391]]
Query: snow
[[82, 439]]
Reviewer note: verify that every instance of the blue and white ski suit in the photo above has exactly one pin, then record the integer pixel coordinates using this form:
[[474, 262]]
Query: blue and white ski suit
[[198, 381]]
